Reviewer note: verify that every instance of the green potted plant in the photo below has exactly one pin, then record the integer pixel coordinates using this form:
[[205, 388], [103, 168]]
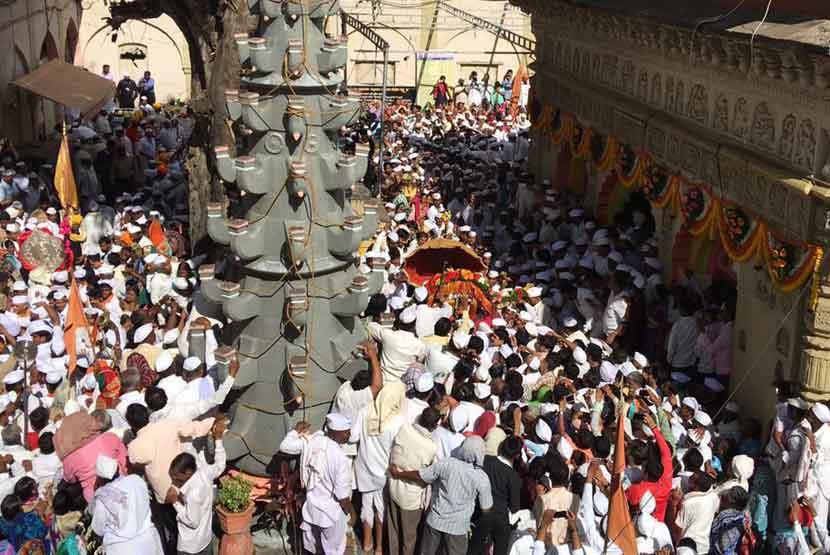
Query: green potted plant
[[235, 510]]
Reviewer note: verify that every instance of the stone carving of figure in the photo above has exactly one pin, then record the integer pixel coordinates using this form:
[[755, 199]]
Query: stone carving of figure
[[670, 99], [681, 97], [763, 127], [699, 104], [628, 76], [642, 86], [805, 152], [721, 120], [740, 125], [785, 147], [657, 90]]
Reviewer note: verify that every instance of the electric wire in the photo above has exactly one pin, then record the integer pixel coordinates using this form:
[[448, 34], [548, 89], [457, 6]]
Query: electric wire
[[755, 32], [706, 22]]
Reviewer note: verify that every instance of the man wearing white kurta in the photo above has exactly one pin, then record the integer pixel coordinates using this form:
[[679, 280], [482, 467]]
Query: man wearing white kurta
[[400, 346], [121, 513], [326, 474], [426, 315]]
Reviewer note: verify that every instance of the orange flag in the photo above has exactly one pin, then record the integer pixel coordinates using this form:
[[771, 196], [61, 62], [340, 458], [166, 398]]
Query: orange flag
[[520, 76], [76, 329], [64, 177], [620, 526], [156, 233]]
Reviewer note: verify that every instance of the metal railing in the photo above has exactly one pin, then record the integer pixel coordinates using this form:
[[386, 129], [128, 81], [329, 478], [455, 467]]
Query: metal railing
[[383, 46], [506, 34]]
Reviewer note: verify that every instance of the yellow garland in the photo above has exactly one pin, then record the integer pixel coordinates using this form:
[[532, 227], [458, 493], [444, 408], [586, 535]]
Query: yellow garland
[[707, 221], [546, 120], [629, 181], [751, 244], [669, 195], [816, 279], [557, 135], [609, 157], [791, 284], [711, 221], [583, 149]]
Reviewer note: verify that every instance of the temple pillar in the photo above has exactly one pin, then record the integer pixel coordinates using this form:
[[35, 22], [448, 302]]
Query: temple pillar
[[814, 373]]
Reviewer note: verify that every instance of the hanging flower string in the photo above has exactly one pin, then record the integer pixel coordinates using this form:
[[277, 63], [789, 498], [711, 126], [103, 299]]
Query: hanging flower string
[[743, 235]]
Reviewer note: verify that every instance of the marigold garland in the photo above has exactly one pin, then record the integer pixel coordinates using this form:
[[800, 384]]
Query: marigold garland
[[629, 177], [581, 148], [607, 159], [742, 234], [558, 133], [545, 121]]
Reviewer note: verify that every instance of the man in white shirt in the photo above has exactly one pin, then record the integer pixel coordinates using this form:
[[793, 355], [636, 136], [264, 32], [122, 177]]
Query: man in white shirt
[[170, 382], [353, 395], [193, 493], [400, 346], [613, 319], [176, 409], [45, 465], [680, 349], [130, 391], [426, 315], [697, 510], [326, 474], [538, 309], [121, 512]]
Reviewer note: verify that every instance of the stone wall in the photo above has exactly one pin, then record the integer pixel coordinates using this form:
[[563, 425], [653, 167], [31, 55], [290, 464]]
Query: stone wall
[[32, 31], [168, 56]]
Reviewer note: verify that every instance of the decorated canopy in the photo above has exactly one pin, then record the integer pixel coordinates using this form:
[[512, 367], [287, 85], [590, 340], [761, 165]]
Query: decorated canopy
[[437, 256]]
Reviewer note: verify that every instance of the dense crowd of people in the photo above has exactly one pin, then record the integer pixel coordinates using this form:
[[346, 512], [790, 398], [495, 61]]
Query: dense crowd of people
[[105, 415], [483, 427], [504, 421]]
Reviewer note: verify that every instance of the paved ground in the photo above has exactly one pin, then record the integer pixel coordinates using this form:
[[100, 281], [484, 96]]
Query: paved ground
[[273, 545]]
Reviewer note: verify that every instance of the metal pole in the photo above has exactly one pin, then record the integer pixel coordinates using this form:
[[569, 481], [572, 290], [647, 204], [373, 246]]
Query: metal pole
[[379, 183], [498, 36], [420, 73], [25, 400], [344, 32]]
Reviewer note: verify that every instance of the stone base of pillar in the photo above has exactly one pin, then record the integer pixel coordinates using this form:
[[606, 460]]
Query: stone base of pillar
[[814, 374]]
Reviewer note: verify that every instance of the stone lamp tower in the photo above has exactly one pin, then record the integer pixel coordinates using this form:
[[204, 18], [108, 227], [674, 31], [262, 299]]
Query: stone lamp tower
[[294, 315]]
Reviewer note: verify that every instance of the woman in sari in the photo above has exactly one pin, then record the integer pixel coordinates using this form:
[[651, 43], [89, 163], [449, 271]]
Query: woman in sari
[[19, 526], [731, 524]]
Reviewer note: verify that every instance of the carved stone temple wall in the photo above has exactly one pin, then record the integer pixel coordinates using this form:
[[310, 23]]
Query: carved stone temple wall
[[754, 126]]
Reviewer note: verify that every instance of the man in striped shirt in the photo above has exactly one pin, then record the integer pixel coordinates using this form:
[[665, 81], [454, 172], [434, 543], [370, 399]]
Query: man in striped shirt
[[459, 482]]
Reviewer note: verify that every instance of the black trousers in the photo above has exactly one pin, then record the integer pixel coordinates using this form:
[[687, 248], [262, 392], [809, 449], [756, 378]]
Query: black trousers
[[164, 519], [491, 525]]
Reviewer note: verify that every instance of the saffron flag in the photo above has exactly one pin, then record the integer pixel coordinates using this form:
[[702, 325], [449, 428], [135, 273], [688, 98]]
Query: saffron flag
[[620, 526], [76, 330], [156, 233], [64, 177], [521, 75]]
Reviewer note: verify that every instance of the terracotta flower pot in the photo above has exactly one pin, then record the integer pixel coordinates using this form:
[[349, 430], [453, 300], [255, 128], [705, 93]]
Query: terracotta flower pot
[[237, 529]]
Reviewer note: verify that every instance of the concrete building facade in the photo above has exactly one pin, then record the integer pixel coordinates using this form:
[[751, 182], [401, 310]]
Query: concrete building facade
[[406, 25], [729, 141], [160, 42], [32, 32]]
